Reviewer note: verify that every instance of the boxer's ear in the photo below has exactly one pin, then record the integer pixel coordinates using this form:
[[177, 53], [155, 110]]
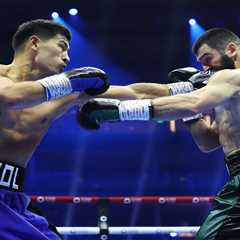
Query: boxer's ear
[[231, 50], [33, 42]]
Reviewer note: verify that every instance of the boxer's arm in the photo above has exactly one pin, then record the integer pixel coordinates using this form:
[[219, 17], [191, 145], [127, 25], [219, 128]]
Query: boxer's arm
[[137, 91], [90, 80], [27, 94], [179, 81], [222, 86], [56, 108], [204, 134], [133, 91], [20, 95]]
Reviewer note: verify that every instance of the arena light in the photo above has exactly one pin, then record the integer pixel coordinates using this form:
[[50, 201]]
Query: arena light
[[195, 31], [55, 15], [192, 21], [173, 234], [73, 11], [172, 126]]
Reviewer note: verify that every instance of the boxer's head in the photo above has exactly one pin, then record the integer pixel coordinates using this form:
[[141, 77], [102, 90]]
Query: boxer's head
[[45, 42], [217, 48]]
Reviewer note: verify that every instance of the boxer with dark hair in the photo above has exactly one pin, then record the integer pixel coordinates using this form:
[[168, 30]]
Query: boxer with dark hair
[[216, 49], [34, 91]]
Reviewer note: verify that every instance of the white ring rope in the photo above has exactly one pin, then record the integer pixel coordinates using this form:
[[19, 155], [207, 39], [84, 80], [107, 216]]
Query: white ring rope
[[127, 230]]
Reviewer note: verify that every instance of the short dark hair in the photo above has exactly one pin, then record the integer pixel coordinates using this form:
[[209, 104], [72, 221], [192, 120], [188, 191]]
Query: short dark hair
[[216, 38], [40, 27]]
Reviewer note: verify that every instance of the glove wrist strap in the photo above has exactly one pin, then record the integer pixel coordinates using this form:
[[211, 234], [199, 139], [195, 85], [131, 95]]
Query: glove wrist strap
[[135, 110], [56, 86], [180, 88]]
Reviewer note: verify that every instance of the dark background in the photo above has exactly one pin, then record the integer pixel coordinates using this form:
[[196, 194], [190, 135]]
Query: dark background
[[134, 41]]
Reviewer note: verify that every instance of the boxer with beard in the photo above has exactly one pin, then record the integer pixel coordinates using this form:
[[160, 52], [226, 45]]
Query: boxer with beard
[[216, 49]]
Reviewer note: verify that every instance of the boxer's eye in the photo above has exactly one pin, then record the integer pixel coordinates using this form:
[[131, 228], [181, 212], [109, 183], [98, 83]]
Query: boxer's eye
[[62, 46], [206, 59]]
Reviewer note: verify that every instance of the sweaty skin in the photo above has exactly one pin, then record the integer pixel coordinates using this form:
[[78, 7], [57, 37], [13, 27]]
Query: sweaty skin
[[24, 116], [24, 119], [222, 94], [227, 120], [225, 128], [21, 130]]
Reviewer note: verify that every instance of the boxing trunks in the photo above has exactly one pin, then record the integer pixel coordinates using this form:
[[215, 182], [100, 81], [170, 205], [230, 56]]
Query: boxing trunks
[[16, 221], [223, 221]]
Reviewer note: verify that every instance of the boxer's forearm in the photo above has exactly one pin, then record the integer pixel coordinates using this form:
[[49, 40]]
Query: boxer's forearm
[[60, 106], [174, 107], [201, 100], [137, 91], [149, 90]]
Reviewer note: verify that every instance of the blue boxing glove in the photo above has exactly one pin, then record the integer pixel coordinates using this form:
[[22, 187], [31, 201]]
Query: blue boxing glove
[[91, 80]]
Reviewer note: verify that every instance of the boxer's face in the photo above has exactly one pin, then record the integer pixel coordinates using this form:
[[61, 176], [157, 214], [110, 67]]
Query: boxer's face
[[52, 54], [213, 59]]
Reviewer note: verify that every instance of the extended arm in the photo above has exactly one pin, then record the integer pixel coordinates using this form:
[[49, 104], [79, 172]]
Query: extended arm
[[91, 80], [222, 86], [137, 91], [179, 81]]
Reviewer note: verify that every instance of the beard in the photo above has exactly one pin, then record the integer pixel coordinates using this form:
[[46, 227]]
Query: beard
[[225, 63]]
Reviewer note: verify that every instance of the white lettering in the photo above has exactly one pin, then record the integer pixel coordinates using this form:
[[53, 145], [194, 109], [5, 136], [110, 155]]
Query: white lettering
[[15, 186], [6, 168]]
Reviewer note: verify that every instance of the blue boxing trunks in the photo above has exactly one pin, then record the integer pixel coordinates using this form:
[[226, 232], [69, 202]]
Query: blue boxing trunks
[[16, 221]]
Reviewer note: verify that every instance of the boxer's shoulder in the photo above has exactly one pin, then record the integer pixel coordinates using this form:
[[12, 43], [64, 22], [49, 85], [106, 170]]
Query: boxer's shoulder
[[4, 74]]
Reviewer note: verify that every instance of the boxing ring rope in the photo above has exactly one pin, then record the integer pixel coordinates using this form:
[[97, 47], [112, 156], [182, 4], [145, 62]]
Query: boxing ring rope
[[124, 199], [128, 230], [103, 230]]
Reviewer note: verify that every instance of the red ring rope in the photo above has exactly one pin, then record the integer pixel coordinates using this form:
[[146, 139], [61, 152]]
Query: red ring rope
[[124, 199]]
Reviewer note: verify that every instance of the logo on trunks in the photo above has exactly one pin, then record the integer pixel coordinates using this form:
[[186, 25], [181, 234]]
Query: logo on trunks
[[8, 175]]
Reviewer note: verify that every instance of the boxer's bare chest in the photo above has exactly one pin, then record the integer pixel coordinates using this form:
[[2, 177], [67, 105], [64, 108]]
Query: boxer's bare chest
[[20, 133], [28, 122], [228, 122]]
